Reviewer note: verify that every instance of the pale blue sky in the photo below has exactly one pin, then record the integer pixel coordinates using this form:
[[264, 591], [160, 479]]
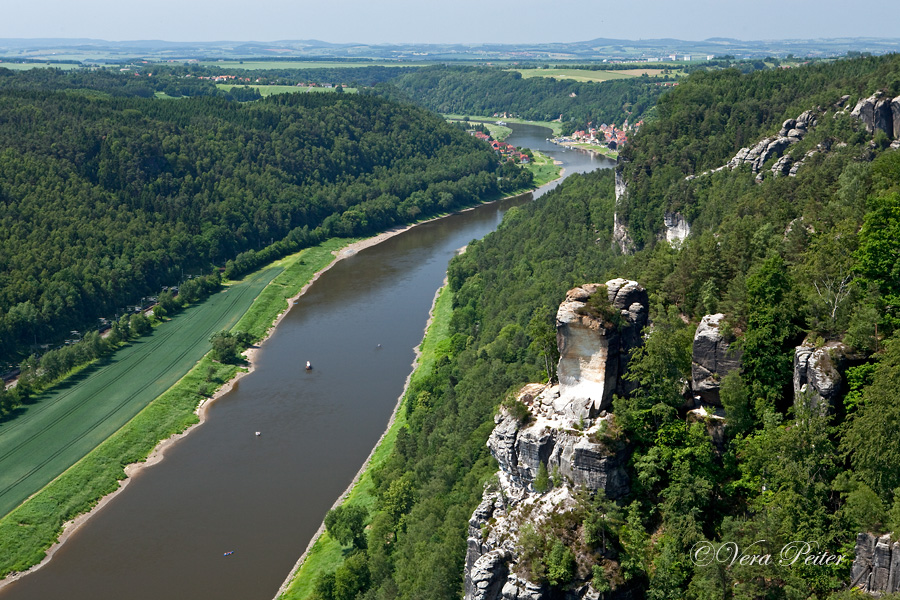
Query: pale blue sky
[[462, 21]]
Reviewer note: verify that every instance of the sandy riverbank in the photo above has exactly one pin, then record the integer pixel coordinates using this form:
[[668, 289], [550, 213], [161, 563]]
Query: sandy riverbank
[[158, 453]]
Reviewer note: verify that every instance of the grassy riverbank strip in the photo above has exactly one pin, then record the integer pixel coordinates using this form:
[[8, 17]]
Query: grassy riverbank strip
[[27, 531], [543, 168], [325, 554]]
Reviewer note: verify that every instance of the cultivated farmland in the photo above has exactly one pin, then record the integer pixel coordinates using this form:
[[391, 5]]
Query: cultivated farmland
[[67, 423]]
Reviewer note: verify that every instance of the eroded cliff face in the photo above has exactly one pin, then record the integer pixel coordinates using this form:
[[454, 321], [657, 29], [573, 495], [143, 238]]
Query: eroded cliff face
[[568, 448], [876, 567], [712, 359], [566, 431], [593, 351], [879, 112], [621, 238]]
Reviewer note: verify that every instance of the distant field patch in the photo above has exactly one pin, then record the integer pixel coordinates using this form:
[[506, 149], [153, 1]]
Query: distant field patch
[[268, 90], [639, 72], [303, 64], [574, 74]]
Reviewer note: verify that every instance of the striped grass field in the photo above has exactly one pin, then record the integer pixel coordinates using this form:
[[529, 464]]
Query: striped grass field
[[126, 403]]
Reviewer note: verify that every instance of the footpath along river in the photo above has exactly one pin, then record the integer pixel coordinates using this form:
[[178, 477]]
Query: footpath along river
[[222, 488]]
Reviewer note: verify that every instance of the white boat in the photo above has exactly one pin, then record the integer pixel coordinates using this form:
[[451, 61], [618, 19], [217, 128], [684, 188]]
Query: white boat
[[308, 366]]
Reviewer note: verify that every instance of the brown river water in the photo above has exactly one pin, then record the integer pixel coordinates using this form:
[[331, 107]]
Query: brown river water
[[224, 489]]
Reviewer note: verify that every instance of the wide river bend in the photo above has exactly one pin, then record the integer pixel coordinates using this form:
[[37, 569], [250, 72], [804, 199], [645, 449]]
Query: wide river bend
[[222, 488]]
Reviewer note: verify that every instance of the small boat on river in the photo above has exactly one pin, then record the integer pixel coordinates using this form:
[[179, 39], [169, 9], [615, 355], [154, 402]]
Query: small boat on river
[[308, 366]]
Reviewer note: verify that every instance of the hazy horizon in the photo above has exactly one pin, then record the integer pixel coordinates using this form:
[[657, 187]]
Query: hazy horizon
[[415, 22]]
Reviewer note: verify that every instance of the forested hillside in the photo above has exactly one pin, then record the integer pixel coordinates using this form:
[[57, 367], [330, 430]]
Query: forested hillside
[[483, 91], [787, 259], [104, 199]]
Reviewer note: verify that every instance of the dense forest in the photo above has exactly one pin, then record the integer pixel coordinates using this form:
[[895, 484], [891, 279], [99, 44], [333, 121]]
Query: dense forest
[[175, 80], [485, 91], [106, 198], [786, 259]]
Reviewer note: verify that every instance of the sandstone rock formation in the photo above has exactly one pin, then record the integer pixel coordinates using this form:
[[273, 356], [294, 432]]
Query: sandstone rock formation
[[593, 350], [876, 568], [712, 359], [620, 232], [565, 430], [792, 131], [878, 112], [552, 437], [677, 228], [493, 537], [817, 374]]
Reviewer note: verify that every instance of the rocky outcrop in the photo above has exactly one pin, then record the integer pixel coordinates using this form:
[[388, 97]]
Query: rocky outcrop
[[570, 449], [817, 374], [594, 350], [677, 228], [895, 117], [621, 238], [792, 131], [783, 166], [878, 112], [876, 568], [712, 359], [565, 430], [491, 553]]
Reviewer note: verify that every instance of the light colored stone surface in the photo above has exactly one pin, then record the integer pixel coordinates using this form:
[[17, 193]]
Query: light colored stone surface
[[712, 358], [677, 228], [593, 353], [817, 374]]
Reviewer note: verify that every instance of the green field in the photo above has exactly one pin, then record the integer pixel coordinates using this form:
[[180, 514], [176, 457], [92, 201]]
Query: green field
[[498, 132], [555, 126], [604, 150], [302, 64], [327, 554], [543, 169], [65, 424], [268, 90]]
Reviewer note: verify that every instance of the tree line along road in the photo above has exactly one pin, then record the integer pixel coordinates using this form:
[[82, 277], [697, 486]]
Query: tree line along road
[[66, 423]]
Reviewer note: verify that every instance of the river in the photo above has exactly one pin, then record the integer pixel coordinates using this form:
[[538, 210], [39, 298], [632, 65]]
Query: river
[[222, 488]]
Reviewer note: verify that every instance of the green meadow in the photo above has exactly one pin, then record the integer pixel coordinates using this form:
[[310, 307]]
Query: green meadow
[[12, 66], [66, 423]]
